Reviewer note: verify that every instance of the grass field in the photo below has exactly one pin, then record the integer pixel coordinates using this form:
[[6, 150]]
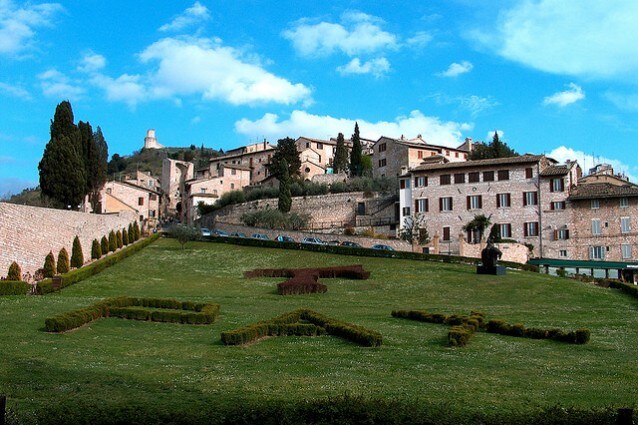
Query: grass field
[[118, 362]]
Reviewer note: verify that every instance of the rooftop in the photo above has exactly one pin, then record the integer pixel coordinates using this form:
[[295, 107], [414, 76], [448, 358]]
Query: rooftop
[[523, 159], [603, 190]]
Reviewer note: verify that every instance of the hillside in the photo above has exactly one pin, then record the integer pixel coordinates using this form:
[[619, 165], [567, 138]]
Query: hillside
[[150, 160]]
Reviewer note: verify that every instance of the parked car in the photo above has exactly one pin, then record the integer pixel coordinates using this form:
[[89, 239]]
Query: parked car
[[284, 238], [218, 232], [335, 243], [313, 241], [382, 247], [237, 235], [350, 244], [260, 236], [204, 231]]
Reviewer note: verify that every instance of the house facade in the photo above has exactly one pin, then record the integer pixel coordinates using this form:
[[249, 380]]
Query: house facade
[[124, 196], [253, 157], [174, 174]]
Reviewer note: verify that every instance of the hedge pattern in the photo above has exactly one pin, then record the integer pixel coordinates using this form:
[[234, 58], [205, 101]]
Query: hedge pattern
[[169, 310], [463, 327], [14, 287], [46, 286], [302, 322], [306, 280]]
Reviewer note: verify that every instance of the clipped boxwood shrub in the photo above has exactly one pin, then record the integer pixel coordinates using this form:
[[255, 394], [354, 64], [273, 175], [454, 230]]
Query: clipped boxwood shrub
[[15, 272], [63, 261], [50, 268], [104, 245], [14, 287], [96, 250], [77, 257]]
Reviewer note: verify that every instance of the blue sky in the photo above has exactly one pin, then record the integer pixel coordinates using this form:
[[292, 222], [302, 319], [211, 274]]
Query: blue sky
[[552, 76]]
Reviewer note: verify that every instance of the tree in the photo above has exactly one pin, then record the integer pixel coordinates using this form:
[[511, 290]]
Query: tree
[[183, 233], [49, 265], [116, 164], [366, 165], [356, 166], [125, 237], [96, 250], [285, 197], [63, 261], [340, 161], [77, 257], [495, 149], [62, 170], [104, 245], [112, 241], [96, 154], [136, 231], [286, 149], [118, 239], [131, 233], [477, 225], [15, 272], [415, 230]]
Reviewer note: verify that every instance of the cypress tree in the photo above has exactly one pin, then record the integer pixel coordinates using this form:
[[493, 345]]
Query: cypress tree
[[63, 261], [104, 245], [49, 265], [118, 239], [136, 230], [356, 166], [77, 256], [15, 272], [125, 237], [286, 149], [131, 233], [285, 197], [96, 250], [340, 161], [112, 241], [95, 155]]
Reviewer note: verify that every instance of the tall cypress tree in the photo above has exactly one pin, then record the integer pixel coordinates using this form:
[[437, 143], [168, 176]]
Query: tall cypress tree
[[286, 150], [62, 170], [94, 153], [356, 166], [285, 197], [340, 161]]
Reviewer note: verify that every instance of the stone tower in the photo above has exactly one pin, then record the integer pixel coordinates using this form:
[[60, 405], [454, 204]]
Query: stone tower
[[150, 142]]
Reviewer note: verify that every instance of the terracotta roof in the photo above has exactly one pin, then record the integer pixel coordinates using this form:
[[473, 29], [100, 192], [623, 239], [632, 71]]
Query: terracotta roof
[[523, 159], [603, 190], [556, 170]]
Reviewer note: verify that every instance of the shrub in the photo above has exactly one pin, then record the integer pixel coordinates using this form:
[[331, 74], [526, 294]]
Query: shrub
[[136, 231], [582, 336], [104, 245], [15, 272], [118, 239], [275, 219], [125, 237], [14, 287], [96, 250], [77, 257], [131, 233], [50, 268], [63, 261], [112, 241]]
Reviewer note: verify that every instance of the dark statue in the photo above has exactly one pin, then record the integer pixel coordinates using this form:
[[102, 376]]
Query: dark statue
[[489, 257]]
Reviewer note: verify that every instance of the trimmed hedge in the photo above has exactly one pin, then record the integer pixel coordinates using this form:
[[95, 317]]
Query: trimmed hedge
[[171, 310], [302, 322], [46, 286], [14, 287], [626, 288], [579, 336]]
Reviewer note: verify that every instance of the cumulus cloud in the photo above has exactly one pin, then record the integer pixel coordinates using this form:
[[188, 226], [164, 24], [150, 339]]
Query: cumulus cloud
[[432, 129], [456, 69], [586, 38], [474, 104], [58, 86], [91, 62], [357, 33], [419, 39], [15, 91], [126, 88], [377, 67], [195, 14], [18, 24], [587, 161], [567, 97]]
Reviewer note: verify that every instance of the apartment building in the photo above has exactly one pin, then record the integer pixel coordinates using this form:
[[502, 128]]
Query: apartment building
[[120, 196], [254, 157]]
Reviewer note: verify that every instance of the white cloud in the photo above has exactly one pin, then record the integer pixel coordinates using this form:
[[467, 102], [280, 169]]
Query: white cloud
[[301, 123], [624, 101], [126, 88], [490, 135], [471, 103], [419, 39], [91, 62], [358, 33], [587, 38], [567, 97], [191, 16], [18, 24], [57, 85], [587, 161], [377, 67], [15, 91], [201, 66], [456, 69]]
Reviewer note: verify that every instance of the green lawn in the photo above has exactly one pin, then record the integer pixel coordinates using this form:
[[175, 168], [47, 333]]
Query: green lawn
[[115, 361]]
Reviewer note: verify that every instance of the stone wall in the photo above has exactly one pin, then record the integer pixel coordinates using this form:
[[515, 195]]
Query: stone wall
[[515, 252], [27, 234]]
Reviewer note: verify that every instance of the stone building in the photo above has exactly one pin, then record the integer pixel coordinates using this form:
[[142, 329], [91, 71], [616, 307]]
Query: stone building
[[253, 157], [174, 174], [118, 197], [150, 141]]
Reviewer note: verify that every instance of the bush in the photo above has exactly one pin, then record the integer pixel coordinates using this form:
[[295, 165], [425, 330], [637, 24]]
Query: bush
[[96, 250], [136, 231], [131, 233], [118, 239], [50, 268], [15, 272], [77, 257], [125, 237], [14, 287], [112, 241], [104, 245], [275, 219], [63, 261]]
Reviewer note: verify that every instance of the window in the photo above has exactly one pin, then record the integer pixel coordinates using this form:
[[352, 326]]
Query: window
[[319, 159], [456, 154], [140, 201], [531, 229], [421, 205], [459, 178], [624, 225], [382, 162], [624, 202], [232, 185], [488, 176], [626, 250], [474, 202], [561, 234], [595, 227], [406, 211], [560, 205], [562, 253], [505, 230], [503, 175], [404, 183], [233, 172], [151, 213], [473, 177], [446, 233], [596, 252], [202, 190], [445, 204], [420, 154], [556, 185], [153, 197], [530, 198], [503, 200], [109, 190], [319, 145], [382, 147], [595, 204], [307, 144], [421, 181], [529, 173], [445, 179]]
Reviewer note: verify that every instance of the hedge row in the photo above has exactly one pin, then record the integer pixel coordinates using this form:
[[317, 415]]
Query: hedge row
[[14, 287], [579, 336], [46, 286], [302, 322], [137, 309], [626, 288], [306, 280]]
